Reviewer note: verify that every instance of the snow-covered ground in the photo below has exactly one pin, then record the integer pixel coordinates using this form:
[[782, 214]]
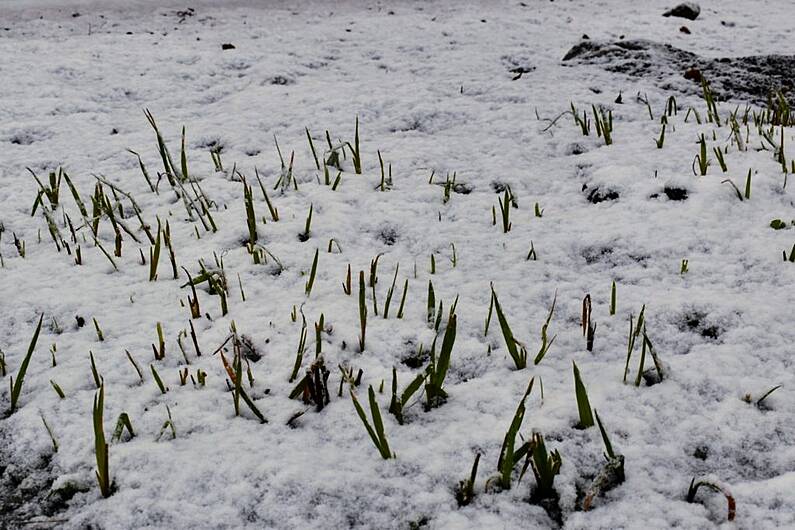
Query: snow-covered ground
[[431, 85]]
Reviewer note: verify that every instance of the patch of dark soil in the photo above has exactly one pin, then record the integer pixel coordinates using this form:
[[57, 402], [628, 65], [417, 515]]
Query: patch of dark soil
[[596, 254], [598, 194], [415, 358], [696, 321], [26, 492], [388, 235], [748, 78]]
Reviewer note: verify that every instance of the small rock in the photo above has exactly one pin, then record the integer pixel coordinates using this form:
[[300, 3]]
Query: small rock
[[684, 29], [688, 10], [227, 46], [693, 74]]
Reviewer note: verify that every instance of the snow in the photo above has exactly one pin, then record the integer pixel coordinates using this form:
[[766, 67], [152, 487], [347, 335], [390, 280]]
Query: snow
[[431, 86]]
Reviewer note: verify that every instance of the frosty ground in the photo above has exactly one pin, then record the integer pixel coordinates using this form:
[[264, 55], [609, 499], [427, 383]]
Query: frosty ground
[[433, 87]]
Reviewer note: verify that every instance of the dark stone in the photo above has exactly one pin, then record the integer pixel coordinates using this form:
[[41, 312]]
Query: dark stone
[[685, 30], [675, 194], [688, 10], [227, 46], [701, 452], [750, 78]]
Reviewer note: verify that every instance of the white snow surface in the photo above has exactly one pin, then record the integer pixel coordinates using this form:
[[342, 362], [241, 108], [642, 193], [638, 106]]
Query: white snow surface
[[431, 86]]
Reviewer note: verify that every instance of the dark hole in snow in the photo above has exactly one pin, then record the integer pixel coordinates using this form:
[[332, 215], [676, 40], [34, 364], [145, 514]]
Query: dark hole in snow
[[214, 144], [80, 321], [696, 322], [388, 235], [675, 194], [550, 503], [463, 189], [597, 195], [701, 452], [596, 254], [576, 149], [22, 138], [281, 80], [414, 359], [651, 377], [499, 187]]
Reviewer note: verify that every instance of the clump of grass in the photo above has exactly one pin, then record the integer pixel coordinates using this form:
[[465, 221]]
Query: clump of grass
[[135, 365], [701, 158], [604, 124], [312, 273], [398, 402], [634, 332], [531, 254], [505, 211], [312, 147], [760, 403], [508, 456], [683, 268], [123, 422], [299, 354], [16, 385], [437, 369], [610, 475], [709, 99], [720, 158], [160, 349], [271, 208], [390, 292], [239, 392], [356, 154], [362, 312], [251, 218], [588, 328], [613, 298], [101, 446], [313, 387], [94, 372], [465, 491], [57, 389], [516, 349], [154, 255], [51, 192], [545, 466], [715, 485], [403, 298], [583, 405], [431, 305], [583, 123], [159, 382], [376, 431], [304, 236], [546, 343], [168, 424], [346, 285], [661, 140], [50, 433]]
